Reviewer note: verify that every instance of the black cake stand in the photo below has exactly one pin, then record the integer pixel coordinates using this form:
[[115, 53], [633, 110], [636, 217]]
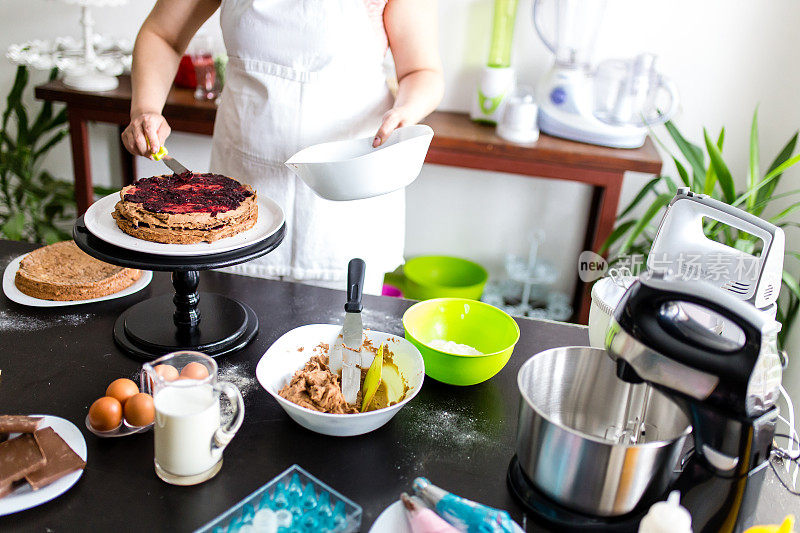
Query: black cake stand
[[190, 320]]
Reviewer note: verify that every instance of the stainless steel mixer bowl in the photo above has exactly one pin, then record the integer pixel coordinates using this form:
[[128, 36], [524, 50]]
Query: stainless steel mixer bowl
[[570, 397]]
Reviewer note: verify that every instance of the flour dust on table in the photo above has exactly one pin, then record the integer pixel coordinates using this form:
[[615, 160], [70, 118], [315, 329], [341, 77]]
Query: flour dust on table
[[13, 322], [242, 378]]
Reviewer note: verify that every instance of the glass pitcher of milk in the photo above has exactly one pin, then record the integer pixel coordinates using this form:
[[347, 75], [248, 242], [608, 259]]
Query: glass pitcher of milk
[[188, 430]]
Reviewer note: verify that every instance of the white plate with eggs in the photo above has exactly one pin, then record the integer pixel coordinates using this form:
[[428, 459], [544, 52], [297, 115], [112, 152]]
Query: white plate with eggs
[[24, 497]]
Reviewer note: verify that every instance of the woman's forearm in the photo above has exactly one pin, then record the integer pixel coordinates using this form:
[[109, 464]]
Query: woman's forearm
[[419, 92], [154, 65], [159, 46]]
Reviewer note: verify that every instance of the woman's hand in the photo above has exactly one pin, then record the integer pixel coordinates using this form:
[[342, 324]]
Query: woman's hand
[[146, 134], [412, 28], [397, 117]]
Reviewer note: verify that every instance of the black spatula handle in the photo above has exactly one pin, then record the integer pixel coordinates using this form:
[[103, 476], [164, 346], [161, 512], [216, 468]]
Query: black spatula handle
[[355, 285]]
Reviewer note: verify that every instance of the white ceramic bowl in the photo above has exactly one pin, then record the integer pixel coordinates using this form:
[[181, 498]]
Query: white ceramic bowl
[[284, 358], [354, 170]]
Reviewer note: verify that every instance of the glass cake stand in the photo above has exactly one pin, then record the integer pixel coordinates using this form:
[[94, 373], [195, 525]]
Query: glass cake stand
[[188, 320]]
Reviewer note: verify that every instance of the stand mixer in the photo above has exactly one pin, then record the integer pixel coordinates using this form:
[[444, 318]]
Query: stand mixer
[[612, 107], [725, 387]]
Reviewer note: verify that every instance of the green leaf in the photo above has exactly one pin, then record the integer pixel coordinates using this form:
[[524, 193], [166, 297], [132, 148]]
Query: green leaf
[[692, 153], [711, 175], [660, 202], [720, 169], [775, 173], [15, 96], [640, 196], [54, 140], [752, 170], [791, 209], [765, 193], [618, 232], [682, 172], [14, 228]]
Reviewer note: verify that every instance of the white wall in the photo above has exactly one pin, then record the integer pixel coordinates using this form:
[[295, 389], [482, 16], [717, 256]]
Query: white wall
[[725, 55]]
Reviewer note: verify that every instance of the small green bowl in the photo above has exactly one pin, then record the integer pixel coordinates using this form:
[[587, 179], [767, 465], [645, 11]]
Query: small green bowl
[[482, 326], [439, 276]]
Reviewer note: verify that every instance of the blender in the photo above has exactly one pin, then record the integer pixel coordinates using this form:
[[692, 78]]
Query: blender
[[612, 107], [497, 77]]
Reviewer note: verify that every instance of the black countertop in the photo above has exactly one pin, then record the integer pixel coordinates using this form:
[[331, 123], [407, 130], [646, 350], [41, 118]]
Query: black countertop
[[59, 360]]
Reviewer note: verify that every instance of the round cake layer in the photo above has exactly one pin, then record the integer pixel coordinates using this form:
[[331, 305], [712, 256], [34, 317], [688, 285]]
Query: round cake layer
[[63, 272], [187, 193], [186, 208]]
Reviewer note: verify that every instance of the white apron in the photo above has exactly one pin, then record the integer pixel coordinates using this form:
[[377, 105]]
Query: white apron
[[302, 72]]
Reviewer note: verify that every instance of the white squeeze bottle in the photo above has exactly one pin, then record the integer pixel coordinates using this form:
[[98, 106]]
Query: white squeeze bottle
[[667, 517]]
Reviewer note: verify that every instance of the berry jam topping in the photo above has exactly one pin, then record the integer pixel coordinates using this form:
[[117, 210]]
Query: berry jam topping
[[188, 193]]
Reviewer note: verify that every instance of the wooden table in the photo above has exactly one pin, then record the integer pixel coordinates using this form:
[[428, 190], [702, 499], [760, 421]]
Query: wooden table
[[59, 360], [458, 142]]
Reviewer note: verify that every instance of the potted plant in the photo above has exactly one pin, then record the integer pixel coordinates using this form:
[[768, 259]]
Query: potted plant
[[34, 205], [705, 171]]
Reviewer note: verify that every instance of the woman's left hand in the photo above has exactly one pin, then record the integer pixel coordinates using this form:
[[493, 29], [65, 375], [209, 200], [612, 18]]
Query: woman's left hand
[[397, 117]]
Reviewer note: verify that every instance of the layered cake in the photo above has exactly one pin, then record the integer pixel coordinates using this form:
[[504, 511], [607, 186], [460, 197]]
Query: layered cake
[[186, 208], [63, 272]]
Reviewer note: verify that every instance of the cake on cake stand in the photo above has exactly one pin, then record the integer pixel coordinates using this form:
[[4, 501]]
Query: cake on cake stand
[[214, 324]]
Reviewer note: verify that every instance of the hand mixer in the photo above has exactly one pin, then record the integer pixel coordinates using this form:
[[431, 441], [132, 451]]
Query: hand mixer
[[727, 385], [681, 248]]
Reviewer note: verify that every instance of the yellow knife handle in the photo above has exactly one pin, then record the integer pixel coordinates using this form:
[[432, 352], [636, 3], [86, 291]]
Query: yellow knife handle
[[161, 153]]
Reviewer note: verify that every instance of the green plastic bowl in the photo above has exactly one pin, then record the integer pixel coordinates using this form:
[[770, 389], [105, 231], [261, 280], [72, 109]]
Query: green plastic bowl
[[482, 326], [439, 276]]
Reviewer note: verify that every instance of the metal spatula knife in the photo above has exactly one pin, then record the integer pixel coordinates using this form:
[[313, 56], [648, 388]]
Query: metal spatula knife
[[168, 160], [352, 331]]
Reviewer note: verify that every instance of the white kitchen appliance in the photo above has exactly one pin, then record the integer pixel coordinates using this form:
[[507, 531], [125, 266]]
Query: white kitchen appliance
[[682, 249], [611, 107]]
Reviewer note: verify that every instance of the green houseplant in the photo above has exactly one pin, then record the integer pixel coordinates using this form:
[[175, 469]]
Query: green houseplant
[[705, 171], [34, 205]]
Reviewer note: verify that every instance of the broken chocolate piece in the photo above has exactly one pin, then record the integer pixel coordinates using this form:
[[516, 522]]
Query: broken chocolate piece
[[19, 423], [19, 457], [61, 459]]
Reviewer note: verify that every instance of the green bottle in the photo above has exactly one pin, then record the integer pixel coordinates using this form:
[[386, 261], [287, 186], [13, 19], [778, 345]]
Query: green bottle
[[497, 78], [505, 14]]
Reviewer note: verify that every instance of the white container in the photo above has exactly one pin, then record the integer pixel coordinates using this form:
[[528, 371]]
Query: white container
[[354, 170], [189, 437], [293, 350], [494, 86], [606, 294], [519, 121], [186, 419]]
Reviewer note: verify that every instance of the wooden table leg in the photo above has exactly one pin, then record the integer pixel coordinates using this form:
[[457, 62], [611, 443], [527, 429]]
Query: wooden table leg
[[81, 163], [127, 160], [602, 216]]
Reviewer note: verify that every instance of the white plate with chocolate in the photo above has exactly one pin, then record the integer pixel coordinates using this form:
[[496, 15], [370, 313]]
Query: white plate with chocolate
[[51, 457], [61, 274], [136, 226]]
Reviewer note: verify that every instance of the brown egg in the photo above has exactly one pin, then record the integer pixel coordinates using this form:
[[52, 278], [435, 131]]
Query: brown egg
[[122, 389], [105, 414], [139, 410], [168, 372], [194, 370]]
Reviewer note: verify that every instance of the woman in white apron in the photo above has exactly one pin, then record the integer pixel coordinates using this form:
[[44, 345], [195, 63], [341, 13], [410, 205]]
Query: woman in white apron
[[300, 72]]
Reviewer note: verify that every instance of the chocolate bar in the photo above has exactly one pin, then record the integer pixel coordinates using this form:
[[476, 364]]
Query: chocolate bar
[[19, 423], [19, 457], [61, 459]]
